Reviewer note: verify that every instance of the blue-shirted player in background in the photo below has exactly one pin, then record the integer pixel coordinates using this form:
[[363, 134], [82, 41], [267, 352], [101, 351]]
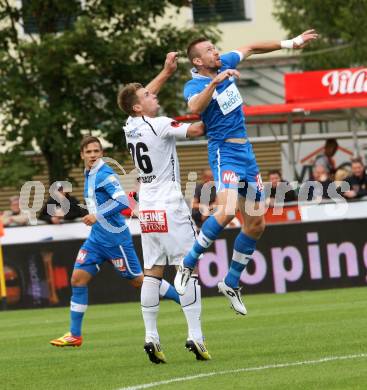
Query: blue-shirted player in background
[[109, 240], [213, 94]]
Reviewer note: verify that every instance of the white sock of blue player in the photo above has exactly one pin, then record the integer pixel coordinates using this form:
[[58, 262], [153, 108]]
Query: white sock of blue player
[[244, 247], [209, 232], [149, 299], [191, 306], [78, 306], [167, 291]]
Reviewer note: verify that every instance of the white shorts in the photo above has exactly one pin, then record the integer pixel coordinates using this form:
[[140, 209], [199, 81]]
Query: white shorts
[[166, 235]]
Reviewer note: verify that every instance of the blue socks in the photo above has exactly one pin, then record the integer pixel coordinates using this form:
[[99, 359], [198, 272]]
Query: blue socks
[[78, 306], [209, 232], [244, 247], [167, 291]]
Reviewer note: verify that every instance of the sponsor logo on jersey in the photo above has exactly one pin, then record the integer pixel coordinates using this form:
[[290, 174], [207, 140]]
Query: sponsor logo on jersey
[[134, 133], [229, 177], [81, 256], [153, 221], [119, 264], [147, 179], [229, 99], [175, 124]]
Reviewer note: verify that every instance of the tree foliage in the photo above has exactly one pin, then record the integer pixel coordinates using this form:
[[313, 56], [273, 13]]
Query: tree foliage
[[342, 25], [62, 81]]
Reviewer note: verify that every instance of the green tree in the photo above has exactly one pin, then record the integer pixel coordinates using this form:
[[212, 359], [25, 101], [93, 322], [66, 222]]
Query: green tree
[[61, 65], [342, 25]]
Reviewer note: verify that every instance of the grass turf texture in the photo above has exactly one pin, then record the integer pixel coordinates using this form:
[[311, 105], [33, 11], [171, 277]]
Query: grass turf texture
[[278, 329]]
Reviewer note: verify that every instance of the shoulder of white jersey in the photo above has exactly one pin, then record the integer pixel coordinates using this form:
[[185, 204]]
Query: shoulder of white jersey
[[157, 124], [131, 124]]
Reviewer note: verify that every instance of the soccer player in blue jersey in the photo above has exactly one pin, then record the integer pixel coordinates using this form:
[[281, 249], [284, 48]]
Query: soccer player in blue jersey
[[213, 94], [109, 240]]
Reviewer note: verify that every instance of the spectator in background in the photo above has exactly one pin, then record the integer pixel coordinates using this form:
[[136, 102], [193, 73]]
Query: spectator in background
[[204, 197], [15, 216], [60, 213], [321, 175], [278, 190], [357, 181], [340, 176], [327, 158]]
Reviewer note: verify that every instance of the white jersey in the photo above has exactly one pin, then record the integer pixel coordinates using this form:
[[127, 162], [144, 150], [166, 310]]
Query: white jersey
[[167, 231], [152, 145]]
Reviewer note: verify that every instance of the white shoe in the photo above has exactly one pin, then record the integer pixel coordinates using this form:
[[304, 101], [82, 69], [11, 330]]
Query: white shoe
[[182, 278], [234, 297]]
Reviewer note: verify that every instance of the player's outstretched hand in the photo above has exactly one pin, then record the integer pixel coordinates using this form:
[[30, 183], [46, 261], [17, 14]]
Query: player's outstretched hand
[[170, 65], [307, 37], [226, 75]]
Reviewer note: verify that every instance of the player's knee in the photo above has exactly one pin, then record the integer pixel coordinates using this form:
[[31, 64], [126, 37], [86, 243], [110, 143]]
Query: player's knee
[[223, 217], [256, 227], [76, 281], [137, 282]]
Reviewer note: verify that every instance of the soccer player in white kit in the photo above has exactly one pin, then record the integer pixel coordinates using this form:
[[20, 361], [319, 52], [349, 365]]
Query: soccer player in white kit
[[167, 231]]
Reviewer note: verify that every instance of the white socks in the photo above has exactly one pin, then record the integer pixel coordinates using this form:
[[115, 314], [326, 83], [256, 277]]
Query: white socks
[[191, 306], [190, 303], [149, 299]]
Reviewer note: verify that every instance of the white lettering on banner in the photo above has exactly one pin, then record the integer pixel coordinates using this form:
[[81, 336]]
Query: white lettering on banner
[[288, 266], [314, 256], [347, 250], [153, 221], [346, 82], [280, 273], [229, 99]]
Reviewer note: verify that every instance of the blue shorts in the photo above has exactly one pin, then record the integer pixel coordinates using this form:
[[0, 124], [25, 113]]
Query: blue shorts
[[234, 166], [123, 257]]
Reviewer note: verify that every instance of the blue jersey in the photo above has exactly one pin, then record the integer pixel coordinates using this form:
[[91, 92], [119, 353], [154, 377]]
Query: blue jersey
[[105, 198], [223, 117]]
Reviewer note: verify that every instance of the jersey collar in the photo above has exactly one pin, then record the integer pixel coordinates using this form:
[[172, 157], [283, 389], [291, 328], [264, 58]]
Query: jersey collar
[[95, 169]]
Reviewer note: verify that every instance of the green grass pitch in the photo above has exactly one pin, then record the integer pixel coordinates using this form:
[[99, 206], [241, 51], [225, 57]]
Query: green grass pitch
[[279, 329]]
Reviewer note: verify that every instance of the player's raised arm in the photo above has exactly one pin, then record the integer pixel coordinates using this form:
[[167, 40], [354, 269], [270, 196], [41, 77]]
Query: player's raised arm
[[169, 67], [199, 102], [298, 42], [196, 129]]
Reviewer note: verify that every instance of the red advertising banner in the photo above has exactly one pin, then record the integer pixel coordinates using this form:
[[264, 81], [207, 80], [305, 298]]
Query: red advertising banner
[[326, 85]]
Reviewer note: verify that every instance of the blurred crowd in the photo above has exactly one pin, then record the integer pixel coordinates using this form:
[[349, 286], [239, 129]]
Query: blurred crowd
[[59, 208], [327, 181]]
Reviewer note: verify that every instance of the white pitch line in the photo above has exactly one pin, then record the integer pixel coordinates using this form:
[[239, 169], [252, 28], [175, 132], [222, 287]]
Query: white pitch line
[[260, 368]]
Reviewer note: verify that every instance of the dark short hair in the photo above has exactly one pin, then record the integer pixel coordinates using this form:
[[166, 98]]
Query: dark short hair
[[191, 49], [89, 139], [126, 98], [331, 142], [275, 172], [357, 160]]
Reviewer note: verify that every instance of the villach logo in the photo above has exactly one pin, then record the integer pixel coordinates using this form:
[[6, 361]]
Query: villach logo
[[345, 82]]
